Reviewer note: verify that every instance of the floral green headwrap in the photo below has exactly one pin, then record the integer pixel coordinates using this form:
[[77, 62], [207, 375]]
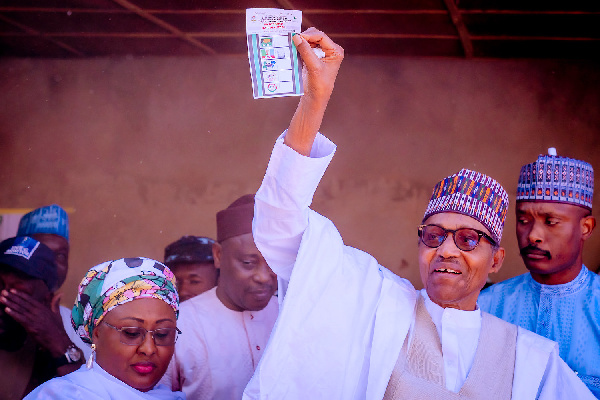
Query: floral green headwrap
[[113, 283]]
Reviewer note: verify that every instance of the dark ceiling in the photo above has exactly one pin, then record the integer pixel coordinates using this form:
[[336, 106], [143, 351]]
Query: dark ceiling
[[439, 28]]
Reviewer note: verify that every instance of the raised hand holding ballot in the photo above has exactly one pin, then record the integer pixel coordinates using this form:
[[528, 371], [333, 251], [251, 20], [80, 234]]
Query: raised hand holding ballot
[[318, 75]]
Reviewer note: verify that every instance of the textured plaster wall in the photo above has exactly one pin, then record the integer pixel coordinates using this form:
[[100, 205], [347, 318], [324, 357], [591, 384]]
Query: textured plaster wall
[[147, 150]]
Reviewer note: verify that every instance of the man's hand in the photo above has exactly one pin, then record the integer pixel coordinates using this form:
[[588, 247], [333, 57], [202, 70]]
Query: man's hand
[[45, 327], [318, 76]]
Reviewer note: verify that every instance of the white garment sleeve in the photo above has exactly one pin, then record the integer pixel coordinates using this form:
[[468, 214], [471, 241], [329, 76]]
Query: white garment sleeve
[[338, 327], [541, 374], [561, 383], [281, 203]]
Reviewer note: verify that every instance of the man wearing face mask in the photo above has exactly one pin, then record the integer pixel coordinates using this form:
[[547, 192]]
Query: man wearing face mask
[[560, 297]]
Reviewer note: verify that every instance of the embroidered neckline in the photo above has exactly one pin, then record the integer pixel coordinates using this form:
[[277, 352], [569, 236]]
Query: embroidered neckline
[[577, 284]]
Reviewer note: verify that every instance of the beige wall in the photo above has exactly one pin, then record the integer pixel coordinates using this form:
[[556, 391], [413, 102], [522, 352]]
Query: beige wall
[[147, 150]]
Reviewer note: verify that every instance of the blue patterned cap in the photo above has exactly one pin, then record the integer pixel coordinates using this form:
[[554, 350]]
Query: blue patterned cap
[[473, 194], [557, 179], [49, 219]]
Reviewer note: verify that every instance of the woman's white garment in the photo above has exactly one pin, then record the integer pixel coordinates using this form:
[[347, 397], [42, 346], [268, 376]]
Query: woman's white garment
[[97, 384], [344, 317]]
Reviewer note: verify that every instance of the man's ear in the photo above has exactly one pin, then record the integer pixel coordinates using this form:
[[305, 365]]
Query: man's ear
[[55, 302], [587, 226], [498, 259], [217, 251]]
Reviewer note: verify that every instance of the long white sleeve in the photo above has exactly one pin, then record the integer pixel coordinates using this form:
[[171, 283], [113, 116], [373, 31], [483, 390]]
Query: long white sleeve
[[281, 203], [338, 298], [541, 374], [561, 383]]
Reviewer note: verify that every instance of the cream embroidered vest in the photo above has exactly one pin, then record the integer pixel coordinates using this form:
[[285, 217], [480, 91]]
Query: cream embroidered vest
[[419, 371]]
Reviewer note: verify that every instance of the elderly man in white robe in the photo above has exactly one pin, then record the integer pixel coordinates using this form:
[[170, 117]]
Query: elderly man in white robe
[[351, 329]]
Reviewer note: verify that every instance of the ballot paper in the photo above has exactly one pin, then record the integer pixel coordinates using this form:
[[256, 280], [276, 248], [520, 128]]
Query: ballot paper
[[275, 67]]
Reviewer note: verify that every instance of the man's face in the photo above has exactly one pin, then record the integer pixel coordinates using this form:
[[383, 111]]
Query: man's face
[[12, 334], [60, 246], [452, 277], [245, 282], [550, 237], [140, 366], [194, 278]]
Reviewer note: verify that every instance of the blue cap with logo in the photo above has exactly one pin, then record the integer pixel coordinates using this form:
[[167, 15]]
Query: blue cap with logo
[[31, 257]]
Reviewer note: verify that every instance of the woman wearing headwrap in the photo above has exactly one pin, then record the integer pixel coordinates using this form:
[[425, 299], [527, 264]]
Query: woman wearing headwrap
[[127, 310]]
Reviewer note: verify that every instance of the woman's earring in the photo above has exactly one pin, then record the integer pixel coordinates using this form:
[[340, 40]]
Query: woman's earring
[[90, 361]]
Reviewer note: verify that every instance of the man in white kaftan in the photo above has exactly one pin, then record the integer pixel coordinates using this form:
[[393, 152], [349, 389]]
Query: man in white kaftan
[[219, 348], [225, 330], [351, 329]]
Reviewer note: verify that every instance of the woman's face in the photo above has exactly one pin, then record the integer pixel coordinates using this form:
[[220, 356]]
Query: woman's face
[[139, 366]]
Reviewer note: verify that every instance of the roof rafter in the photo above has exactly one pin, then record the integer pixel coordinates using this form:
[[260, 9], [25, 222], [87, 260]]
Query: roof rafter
[[32, 32], [165, 25], [458, 22]]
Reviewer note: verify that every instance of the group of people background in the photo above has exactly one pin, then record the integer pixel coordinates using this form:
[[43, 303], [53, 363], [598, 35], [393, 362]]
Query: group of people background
[[278, 307]]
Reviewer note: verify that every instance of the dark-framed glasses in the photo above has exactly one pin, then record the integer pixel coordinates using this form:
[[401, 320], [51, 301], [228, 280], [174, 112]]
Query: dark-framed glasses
[[135, 335], [466, 239]]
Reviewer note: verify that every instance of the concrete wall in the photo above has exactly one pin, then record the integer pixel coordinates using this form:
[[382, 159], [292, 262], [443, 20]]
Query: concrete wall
[[147, 150]]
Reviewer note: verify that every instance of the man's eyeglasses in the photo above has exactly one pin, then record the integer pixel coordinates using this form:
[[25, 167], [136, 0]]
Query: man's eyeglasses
[[466, 239], [135, 335]]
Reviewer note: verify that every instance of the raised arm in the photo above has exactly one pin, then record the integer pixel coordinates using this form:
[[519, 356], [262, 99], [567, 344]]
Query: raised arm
[[294, 171], [318, 77]]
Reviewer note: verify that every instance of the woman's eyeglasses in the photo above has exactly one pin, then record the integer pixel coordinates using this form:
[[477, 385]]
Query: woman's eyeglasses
[[466, 239], [135, 335]]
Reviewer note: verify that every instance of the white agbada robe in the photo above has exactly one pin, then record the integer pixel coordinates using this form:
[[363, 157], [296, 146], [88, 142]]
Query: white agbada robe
[[97, 384], [344, 317], [218, 349]]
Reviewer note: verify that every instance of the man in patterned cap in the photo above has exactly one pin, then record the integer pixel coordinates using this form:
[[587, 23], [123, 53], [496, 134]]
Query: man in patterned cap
[[559, 297], [226, 328], [191, 260], [351, 329]]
